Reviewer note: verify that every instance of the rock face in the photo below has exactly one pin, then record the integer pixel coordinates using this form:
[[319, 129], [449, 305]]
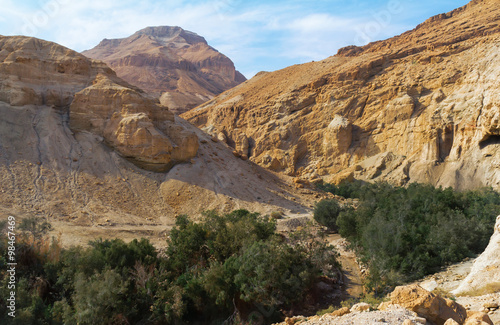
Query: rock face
[[485, 273], [77, 146], [40, 73], [170, 62], [423, 106], [133, 124]]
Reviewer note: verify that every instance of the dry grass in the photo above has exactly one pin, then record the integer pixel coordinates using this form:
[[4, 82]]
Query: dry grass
[[493, 287]]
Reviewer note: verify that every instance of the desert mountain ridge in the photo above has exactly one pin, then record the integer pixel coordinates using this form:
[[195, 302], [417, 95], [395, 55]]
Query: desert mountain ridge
[[171, 63], [99, 157], [419, 107]]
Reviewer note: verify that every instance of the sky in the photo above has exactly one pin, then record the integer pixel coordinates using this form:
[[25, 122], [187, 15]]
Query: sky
[[256, 35]]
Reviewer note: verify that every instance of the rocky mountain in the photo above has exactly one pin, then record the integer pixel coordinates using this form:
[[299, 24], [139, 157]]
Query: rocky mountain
[[98, 157], [170, 62], [423, 106]]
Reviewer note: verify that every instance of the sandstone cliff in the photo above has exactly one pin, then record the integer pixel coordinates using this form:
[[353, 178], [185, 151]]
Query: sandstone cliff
[[423, 106], [170, 62], [78, 146], [39, 73]]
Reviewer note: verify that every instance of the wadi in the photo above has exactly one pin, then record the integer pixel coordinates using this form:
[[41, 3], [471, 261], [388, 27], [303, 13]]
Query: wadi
[[146, 181]]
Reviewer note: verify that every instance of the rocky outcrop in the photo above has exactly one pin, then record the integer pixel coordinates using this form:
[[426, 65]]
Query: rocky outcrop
[[40, 73], [171, 63], [36, 72], [485, 274], [428, 305], [420, 107], [133, 124], [408, 305]]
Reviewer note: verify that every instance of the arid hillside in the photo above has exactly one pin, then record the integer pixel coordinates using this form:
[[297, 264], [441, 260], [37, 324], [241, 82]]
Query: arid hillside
[[170, 62], [423, 106], [100, 158]]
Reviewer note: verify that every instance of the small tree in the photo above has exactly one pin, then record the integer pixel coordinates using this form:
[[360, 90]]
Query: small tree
[[100, 299], [326, 213]]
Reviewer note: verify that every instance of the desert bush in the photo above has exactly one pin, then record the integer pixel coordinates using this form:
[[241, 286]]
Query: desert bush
[[348, 190], [100, 298], [207, 269], [406, 233], [326, 213]]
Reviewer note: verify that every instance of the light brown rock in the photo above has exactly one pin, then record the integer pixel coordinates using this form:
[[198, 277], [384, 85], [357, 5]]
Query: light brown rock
[[341, 312], [491, 305], [386, 305], [428, 305], [132, 123], [451, 321], [419, 107], [479, 318], [360, 307], [408, 322]]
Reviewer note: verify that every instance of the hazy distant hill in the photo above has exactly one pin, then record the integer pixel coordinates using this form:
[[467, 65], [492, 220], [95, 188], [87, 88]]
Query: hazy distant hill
[[170, 62]]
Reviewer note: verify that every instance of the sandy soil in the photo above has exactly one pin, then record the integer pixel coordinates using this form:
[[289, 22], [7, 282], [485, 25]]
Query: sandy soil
[[352, 277]]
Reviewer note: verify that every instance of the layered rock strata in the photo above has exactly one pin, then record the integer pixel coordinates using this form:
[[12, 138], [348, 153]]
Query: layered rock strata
[[423, 106], [170, 63]]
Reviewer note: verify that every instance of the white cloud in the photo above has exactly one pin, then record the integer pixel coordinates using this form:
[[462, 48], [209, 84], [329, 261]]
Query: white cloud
[[255, 35], [320, 23]]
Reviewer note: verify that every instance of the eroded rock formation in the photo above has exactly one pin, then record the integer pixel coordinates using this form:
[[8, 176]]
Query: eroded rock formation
[[423, 106], [40, 73], [68, 123]]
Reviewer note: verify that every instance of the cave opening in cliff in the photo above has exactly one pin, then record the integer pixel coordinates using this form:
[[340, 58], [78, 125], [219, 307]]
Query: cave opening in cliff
[[489, 140]]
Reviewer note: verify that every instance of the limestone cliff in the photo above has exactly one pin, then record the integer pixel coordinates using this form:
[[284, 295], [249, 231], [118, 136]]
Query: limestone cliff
[[97, 157], [35, 72], [170, 62], [423, 106]]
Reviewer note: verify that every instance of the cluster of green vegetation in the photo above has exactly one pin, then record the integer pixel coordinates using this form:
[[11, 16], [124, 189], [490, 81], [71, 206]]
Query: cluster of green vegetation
[[225, 266], [405, 233]]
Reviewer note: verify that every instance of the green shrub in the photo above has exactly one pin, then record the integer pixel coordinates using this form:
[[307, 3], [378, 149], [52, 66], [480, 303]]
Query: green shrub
[[100, 298], [206, 269], [348, 190], [326, 213], [276, 215], [406, 233], [328, 310]]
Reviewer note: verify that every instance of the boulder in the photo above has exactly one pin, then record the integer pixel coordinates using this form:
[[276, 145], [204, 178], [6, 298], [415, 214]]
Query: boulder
[[341, 312], [477, 317], [360, 307], [132, 123], [428, 305], [450, 321]]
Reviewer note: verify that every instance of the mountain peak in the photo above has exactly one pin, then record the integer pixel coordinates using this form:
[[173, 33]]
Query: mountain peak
[[171, 63], [168, 33]]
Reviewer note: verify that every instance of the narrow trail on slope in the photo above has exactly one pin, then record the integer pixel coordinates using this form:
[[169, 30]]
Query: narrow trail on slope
[[353, 281]]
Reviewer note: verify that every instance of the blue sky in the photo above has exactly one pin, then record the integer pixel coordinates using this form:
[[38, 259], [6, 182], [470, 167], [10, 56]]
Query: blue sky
[[256, 35]]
